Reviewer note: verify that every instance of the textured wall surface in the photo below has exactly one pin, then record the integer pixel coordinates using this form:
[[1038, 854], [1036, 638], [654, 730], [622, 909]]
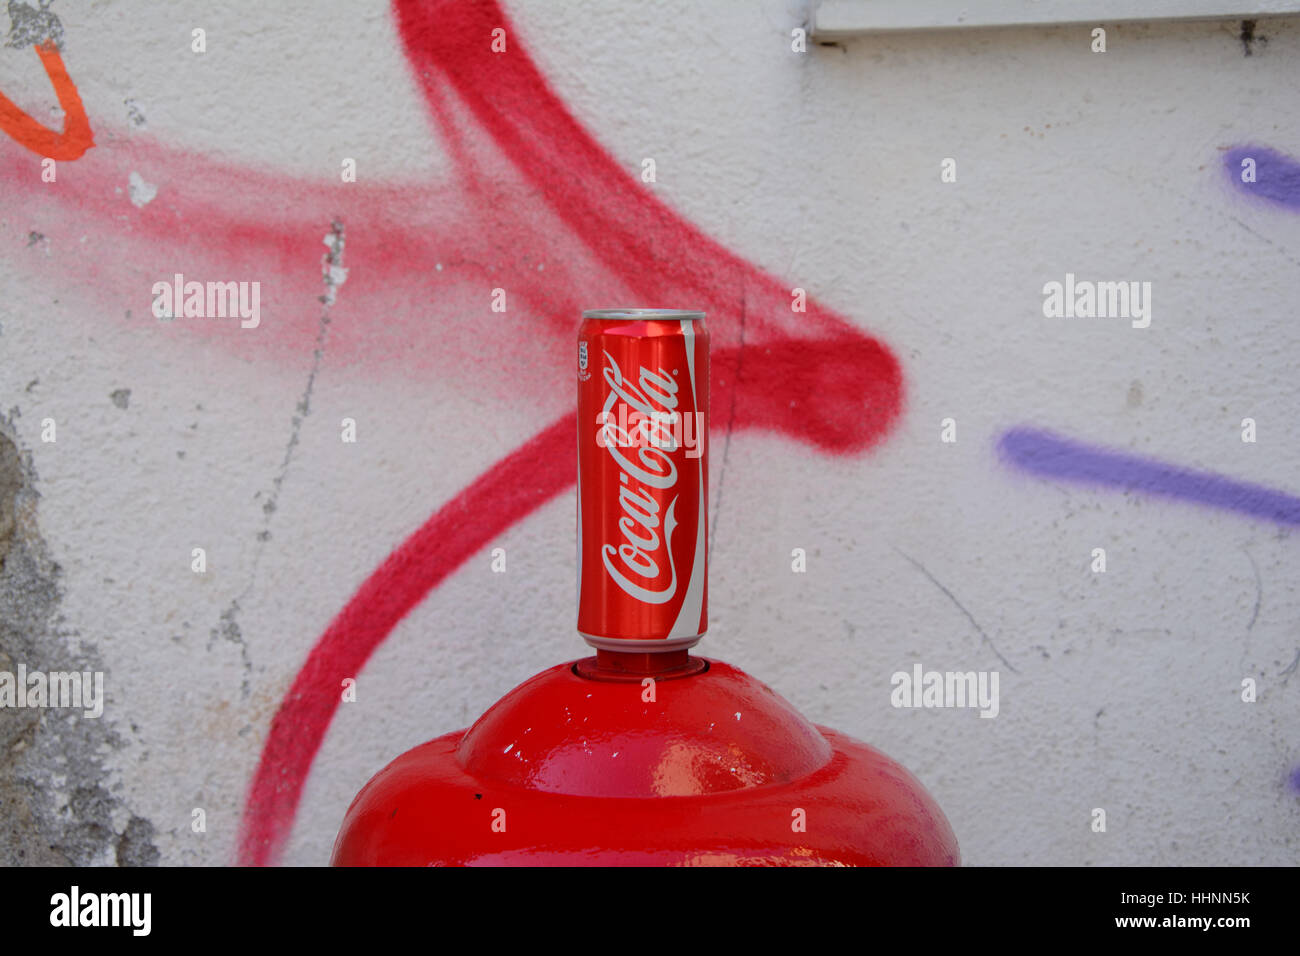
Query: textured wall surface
[[129, 440]]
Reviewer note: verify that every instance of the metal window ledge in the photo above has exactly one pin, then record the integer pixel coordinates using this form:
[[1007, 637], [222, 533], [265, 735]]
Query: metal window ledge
[[840, 19]]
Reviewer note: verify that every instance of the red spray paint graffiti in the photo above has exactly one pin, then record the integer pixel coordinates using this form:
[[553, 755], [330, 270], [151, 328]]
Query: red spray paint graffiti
[[658, 256], [536, 207]]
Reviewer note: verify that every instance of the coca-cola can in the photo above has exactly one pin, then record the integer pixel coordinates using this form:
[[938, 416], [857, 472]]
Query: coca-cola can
[[643, 415]]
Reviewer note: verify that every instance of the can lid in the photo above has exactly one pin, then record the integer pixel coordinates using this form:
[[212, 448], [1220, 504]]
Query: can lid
[[670, 315]]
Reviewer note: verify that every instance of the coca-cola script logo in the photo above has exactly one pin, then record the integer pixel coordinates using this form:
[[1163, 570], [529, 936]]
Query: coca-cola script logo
[[643, 416]]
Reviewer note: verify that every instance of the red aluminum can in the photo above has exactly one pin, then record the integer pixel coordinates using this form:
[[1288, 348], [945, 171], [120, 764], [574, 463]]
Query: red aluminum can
[[643, 414]]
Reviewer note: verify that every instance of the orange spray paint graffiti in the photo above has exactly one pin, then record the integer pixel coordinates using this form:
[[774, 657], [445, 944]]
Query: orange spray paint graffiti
[[75, 139]]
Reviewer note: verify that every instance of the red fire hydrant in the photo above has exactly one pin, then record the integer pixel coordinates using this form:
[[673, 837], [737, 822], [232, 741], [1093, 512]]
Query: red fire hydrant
[[643, 754]]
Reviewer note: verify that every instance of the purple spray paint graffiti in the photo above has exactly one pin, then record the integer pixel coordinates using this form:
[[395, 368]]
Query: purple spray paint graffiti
[[1276, 175], [1276, 179], [1256, 171], [1053, 456]]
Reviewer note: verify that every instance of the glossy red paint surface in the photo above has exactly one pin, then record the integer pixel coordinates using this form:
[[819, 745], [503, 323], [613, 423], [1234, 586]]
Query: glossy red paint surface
[[716, 770]]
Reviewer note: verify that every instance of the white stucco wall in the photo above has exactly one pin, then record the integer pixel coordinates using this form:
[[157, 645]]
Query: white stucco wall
[[822, 169]]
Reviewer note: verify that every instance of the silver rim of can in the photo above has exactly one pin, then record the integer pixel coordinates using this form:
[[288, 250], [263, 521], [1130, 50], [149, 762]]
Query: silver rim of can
[[670, 315], [661, 646]]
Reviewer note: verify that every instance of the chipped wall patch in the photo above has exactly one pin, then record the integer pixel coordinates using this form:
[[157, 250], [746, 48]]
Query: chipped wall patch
[[142, 193], [29, 26], [58, 804]]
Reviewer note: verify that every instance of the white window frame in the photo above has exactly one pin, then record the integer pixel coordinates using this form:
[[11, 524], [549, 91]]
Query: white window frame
[[837, 19]]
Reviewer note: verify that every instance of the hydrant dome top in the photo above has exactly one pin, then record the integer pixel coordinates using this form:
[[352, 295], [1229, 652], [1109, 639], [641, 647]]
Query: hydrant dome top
[[715, 732]]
